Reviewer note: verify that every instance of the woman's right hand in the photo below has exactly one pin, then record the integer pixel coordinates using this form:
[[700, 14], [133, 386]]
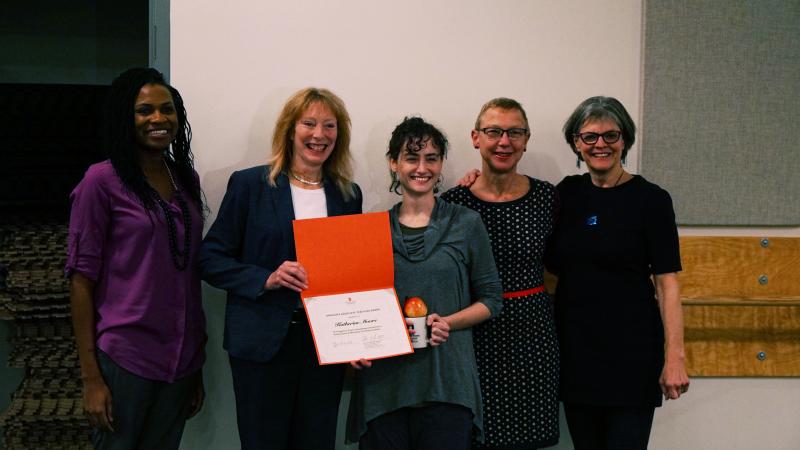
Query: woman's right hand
[[469, 178], [290, 274], [97, 403], [361, 364]]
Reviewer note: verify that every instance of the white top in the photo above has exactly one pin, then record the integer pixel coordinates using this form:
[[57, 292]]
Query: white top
[[308, 203]]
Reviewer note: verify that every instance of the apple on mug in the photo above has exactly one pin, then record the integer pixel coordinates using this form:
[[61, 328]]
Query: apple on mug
[[415, 307], [416, 311]]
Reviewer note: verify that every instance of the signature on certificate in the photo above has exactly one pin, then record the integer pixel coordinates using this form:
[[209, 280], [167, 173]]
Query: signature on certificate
[[372, 340]]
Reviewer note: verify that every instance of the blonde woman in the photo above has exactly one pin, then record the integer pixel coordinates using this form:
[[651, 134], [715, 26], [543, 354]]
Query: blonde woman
[[517, 352], [284, 398]]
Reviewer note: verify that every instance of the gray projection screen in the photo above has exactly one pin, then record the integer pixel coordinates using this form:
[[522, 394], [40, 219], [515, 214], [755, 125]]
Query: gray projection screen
[[721, 109]]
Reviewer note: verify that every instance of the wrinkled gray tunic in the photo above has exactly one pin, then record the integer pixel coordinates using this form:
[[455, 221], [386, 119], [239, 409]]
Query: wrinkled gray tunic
[[449, 266]]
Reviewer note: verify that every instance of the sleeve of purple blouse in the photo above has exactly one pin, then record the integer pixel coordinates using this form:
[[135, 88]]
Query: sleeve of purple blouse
[[88, 223]]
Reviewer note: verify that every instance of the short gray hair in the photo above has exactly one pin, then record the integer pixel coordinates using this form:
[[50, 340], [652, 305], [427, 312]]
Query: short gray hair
[[600, 108]]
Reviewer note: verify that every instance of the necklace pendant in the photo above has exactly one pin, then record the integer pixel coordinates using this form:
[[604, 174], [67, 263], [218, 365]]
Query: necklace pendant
[[180, 258]]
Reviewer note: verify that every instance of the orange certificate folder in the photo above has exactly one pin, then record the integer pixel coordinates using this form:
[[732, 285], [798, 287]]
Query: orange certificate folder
[[350, 302]]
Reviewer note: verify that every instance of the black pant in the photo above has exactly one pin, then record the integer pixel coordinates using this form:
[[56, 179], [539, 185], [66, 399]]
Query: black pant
[[609, 427], [147, 413], [289, 402], [438, 426]]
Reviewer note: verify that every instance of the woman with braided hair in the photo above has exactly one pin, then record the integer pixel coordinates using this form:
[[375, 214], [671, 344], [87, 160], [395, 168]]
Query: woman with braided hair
[[134, 234]]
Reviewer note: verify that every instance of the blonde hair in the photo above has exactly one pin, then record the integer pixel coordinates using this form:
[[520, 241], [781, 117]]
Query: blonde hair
[[502, 103], [338, 167]]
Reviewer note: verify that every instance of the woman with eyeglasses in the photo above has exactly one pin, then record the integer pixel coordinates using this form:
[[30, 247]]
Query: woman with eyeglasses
[[517, 351], [618, 310]]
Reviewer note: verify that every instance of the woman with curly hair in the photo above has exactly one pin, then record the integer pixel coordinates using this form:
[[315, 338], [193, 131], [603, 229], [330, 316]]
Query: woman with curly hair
[[430, 399]]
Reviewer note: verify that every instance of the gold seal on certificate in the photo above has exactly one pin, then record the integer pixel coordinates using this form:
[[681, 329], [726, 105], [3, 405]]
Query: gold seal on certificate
[[351, 304]]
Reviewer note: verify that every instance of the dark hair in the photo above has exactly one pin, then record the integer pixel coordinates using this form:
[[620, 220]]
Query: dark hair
[[120, 140], [502, 103], [600, 108], [412, 134]]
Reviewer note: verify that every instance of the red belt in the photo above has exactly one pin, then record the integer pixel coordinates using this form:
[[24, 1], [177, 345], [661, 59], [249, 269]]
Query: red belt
[[530, 291]]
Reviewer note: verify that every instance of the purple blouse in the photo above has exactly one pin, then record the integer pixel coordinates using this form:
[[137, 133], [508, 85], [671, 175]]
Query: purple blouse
[[148, 315]]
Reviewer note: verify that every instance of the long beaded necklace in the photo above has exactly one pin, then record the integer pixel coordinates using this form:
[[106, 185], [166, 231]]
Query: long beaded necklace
[[179, 258]]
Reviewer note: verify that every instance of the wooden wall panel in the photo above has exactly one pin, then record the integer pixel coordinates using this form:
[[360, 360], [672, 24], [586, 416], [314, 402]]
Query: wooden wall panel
[[729, 269], [742, 340], [736, 324]]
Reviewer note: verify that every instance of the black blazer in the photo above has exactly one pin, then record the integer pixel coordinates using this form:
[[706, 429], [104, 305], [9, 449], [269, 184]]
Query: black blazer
[[251, 236]]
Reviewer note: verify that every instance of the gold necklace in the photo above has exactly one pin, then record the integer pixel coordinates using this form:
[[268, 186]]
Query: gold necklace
[[303, 180]]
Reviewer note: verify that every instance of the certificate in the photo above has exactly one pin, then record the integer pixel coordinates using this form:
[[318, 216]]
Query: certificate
[[357, 325], [350, 302]]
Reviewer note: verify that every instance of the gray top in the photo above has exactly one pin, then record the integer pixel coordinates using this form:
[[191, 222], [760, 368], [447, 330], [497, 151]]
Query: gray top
[[449, 265]]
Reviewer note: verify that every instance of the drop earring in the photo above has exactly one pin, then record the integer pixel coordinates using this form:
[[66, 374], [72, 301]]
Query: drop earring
[[395, 185], [438, 186]]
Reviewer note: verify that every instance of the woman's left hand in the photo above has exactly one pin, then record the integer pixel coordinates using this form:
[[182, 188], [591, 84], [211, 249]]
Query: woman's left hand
[[469, 178], [361, 364], [440, 329], [674, 380], [198, 397]]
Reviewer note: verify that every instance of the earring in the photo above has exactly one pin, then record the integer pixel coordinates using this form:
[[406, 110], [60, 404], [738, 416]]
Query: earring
[[438, 186], [578, 162], [395, 185]]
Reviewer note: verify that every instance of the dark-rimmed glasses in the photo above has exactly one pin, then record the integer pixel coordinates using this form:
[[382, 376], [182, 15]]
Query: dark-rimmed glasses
[[495, 133], [609, 137]]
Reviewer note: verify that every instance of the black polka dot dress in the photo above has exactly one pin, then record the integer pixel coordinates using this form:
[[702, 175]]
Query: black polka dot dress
[[517, 351]]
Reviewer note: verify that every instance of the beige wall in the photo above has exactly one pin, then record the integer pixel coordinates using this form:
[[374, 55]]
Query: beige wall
[[236, 63]]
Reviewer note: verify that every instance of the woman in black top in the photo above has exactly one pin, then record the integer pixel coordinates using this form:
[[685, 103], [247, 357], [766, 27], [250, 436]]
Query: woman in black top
[[620, 334]]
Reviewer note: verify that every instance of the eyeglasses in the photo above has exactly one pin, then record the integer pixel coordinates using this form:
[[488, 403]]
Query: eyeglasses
[[609, 137], [514, 134]]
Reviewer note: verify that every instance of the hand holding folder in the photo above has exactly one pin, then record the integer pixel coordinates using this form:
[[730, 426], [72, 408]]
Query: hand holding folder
[[351, 303]]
